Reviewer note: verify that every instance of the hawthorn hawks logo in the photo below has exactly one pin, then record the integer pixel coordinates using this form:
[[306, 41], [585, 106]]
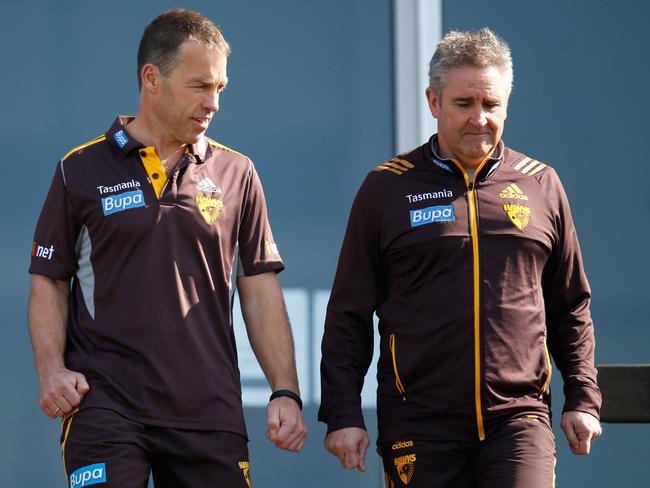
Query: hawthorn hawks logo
[[245, 466], [519, 214], [209, 207], [405, 466]]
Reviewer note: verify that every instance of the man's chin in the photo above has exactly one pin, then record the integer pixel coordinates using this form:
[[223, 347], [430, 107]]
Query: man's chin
[[481, 152]]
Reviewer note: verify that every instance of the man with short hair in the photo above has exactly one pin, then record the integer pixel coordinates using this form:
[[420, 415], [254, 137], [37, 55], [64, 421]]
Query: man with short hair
[[467, 252], [144, 235]]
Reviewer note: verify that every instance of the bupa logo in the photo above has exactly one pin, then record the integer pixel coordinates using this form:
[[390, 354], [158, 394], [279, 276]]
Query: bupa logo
[[120, 138], [441, 213], [88, 475], [123, 201]]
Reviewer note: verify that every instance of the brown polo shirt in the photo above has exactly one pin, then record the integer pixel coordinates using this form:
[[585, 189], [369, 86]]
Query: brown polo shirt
[[153, 262]]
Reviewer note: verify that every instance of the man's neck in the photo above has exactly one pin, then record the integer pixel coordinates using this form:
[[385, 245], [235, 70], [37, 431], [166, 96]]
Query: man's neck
[[168, 150], [468, 165]]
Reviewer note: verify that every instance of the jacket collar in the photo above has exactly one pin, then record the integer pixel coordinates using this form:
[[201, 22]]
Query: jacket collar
[[453, 166]]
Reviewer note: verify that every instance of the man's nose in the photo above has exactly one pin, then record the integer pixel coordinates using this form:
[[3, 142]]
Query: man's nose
[[211, 101], [478, 118]]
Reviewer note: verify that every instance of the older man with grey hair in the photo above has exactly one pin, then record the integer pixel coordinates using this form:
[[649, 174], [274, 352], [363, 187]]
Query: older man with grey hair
[[467, 252]]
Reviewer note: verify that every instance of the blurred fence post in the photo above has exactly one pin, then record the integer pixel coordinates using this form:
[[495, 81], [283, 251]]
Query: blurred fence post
[[626, 393]]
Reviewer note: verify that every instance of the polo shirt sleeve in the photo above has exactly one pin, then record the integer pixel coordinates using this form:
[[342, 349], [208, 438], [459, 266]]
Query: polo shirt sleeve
[[54, 248], [258, 252]]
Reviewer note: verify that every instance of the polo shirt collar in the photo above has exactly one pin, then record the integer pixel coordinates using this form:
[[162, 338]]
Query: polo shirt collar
[[123, 142], [118, 136]]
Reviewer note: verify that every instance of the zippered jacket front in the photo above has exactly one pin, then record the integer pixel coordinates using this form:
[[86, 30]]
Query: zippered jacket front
[[477, 283]]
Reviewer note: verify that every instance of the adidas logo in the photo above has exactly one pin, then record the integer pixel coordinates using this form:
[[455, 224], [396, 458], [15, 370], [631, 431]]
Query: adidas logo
[[513, 191], [401, 445], [208, 186]]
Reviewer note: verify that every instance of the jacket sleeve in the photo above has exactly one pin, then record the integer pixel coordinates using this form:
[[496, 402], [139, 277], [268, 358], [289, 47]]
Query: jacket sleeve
[[567, 297], [347, 344]]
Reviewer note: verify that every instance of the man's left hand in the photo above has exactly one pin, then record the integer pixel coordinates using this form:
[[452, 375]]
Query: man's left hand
[[581, 429], [286, 427]]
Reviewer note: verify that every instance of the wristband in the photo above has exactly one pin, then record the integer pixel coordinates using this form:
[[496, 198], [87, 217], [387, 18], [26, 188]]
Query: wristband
[[286, 393]]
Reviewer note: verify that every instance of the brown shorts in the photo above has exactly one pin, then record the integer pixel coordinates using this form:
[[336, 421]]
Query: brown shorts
[[101, 447], [518, 454]]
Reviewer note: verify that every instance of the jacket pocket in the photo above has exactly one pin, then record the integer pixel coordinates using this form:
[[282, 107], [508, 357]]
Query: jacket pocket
[[546, 385], [398, 381]]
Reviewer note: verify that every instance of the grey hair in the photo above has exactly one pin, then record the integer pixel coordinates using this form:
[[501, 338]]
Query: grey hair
[[480, 49]]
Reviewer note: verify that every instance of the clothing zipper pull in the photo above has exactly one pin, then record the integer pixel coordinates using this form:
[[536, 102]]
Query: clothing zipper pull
[[470, 186], [404, 398]]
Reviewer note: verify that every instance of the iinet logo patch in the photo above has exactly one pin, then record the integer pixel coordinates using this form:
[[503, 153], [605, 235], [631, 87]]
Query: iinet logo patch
[[42, 251]]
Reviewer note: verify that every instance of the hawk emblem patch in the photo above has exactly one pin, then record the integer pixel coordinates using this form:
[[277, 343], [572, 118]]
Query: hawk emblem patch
[[405, 466], [210, 208], [245, 467], [519, 214]]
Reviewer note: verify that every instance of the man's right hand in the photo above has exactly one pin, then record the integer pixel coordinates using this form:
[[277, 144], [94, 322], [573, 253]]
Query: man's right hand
[[61, 392], [349, 445]]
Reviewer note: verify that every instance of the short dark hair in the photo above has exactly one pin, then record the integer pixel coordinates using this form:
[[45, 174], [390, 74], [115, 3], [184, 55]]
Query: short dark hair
[[164, 35]]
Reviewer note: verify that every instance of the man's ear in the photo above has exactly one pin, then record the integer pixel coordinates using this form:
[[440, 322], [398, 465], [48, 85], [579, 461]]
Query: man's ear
[[434, 101], [150, 77]]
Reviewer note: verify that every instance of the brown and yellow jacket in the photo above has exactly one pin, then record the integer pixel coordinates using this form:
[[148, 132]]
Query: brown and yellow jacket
[[477, 284]]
